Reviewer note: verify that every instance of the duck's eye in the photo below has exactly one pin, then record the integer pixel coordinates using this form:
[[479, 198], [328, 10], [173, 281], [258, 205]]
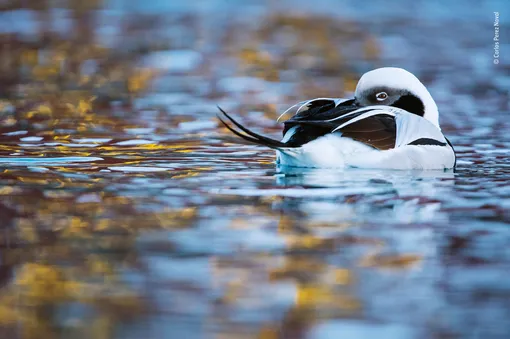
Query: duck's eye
[[381, 96]]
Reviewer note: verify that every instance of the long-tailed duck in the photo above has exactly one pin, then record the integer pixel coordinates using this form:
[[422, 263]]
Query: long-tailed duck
[[391, 123]]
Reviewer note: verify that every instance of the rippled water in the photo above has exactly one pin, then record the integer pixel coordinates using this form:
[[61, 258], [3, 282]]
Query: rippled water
[[152, 221]]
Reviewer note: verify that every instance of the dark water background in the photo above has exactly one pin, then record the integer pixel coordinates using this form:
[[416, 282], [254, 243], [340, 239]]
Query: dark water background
[[127, 212]]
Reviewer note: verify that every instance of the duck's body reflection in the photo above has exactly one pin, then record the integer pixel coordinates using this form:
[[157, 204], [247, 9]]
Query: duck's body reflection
[[362, 195], [323, 177]]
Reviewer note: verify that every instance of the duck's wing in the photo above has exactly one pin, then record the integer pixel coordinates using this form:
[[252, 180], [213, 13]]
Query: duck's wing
[[321, 116], [382, 127], [315, 106], [311, 119], [386, 127], [366, 125]]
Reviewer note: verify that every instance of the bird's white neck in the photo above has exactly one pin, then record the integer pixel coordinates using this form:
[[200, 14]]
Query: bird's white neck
[[431, 112]]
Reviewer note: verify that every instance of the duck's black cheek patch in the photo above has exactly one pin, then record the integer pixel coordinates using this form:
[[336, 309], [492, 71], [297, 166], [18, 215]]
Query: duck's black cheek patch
[[410, 103]]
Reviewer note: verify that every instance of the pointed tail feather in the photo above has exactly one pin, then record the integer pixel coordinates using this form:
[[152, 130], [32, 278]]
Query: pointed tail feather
[[248, 135]]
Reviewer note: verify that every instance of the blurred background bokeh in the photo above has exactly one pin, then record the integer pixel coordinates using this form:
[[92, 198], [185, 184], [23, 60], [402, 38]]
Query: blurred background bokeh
[[126, 211]]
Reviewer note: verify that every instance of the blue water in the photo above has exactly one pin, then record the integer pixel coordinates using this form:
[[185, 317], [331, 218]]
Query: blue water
[[175, 228]]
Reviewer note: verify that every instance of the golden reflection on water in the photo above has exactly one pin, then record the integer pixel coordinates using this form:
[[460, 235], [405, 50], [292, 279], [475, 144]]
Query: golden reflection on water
[[70, 239]]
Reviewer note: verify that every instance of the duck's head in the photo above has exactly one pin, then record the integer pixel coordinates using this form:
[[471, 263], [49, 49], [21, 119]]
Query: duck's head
[[396, 87]]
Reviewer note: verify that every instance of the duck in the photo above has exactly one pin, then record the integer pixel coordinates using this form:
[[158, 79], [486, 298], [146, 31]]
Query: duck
[[391, 123]]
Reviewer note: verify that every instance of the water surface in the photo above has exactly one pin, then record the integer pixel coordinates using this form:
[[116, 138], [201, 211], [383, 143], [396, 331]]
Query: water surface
[[145, 218]]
